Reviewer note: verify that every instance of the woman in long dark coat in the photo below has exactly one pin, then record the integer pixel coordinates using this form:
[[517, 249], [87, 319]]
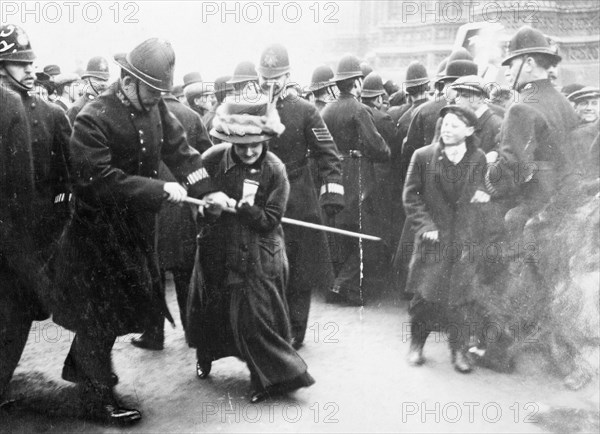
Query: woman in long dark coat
[[443, 198], [237, 304]]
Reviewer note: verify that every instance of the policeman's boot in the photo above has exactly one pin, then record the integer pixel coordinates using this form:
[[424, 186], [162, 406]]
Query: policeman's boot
[[102, 405], [461, 361], [152, 339], [418, 336]]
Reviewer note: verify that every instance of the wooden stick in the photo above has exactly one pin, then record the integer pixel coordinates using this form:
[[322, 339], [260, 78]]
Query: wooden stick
[[295, 222]]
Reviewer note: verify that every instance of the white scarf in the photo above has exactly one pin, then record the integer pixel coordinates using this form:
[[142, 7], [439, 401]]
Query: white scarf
[[455, 153]]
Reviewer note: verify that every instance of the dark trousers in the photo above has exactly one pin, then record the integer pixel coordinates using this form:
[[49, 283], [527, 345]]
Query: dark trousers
[[90, 355], [347, 267], [181, 278], [15, 323], [427, 316]]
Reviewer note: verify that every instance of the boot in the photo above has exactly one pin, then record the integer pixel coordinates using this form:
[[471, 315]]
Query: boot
[[150, 340], [415, 354]]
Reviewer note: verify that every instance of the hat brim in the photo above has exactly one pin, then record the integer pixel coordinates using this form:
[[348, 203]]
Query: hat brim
[[371, 93], [318, 86], [347, 75], [99, 75], [526, 51], [416, 82], [42, 76], [456, 109], [121, 60], [579, 95], [242, 140], [242, 79], [464, 86], [272, 72]]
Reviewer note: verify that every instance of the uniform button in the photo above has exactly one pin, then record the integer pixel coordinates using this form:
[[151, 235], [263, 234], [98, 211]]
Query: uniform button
[[162, 140], [141, 132], [143, 149], [132, 115], [141, 141], [36, 140], [243, 247], [32, 105], [35, 122]]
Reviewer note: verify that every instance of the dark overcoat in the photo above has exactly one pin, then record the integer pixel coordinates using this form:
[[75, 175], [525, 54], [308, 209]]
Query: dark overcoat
[[21, 266], [533, 147], [176, 224], [106, 271], [360, 145], [50, 132], [236, 305], [437, 197], [307, 135]]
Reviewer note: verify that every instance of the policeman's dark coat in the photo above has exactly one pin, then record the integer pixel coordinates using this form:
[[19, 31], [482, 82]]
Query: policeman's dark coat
[[74, 110], [50, 132], [176, 224], [306, 133], [237, 301], [488, 131], [21, 275], [533, 150], [360, 146], [437, 196], [382, 195], [107, 275]]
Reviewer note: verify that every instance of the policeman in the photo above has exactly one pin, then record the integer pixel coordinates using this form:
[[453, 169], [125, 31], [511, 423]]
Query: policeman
[[372, 96], [43, 208], [107, 278], [416, 85], [176, 228], [360, 145], [95, 79], [21, 273], [532, 155], [322, 87], [50, 132], [305, 131]]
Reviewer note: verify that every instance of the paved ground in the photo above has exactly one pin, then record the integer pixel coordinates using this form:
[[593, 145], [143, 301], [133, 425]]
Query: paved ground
[[357, 356]]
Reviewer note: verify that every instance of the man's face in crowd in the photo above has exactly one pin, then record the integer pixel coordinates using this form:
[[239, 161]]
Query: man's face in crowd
[[148, 95], [588, 109], [206, 101], [22, 72], [513, 70], [278, 83]]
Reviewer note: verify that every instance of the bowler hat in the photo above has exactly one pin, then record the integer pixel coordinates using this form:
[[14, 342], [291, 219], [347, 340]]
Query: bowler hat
[[244, 71], [48, 73], [190, 78], [152, 62], [528, 40], [459, 68]]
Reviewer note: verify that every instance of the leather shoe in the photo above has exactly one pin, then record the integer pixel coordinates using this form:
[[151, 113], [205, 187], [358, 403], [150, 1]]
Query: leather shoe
[[147, 343], [462, 363], [415, 356], [203, 369], [115, 414], [259, 396], [71, 373]]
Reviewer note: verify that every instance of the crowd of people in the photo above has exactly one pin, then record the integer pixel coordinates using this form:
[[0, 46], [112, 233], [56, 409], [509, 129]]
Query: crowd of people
[[106, 187]]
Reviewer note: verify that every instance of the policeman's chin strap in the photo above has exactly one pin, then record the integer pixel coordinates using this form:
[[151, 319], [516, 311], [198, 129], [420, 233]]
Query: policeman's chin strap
[[17, 83], [516, 80], [93, 87], [137, 94]]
